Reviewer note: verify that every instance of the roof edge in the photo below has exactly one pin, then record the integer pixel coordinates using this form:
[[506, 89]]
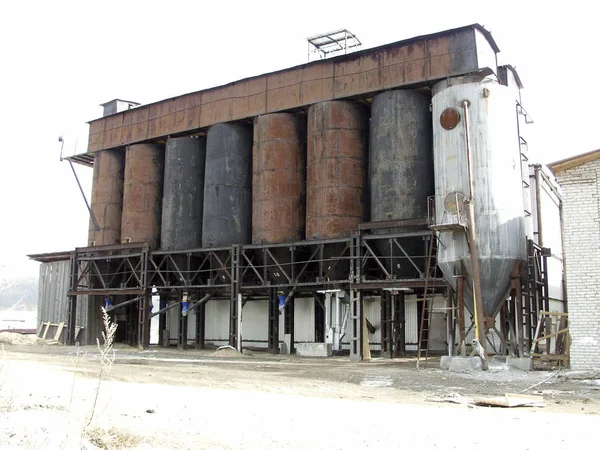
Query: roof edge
[[476, 26], [573, 161], [51, 257]]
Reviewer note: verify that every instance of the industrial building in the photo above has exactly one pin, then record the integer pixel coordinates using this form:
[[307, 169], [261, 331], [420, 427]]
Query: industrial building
[[333, 205], [579, 178]]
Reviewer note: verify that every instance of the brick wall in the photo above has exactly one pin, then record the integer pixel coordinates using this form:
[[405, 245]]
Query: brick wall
[[581, 232]]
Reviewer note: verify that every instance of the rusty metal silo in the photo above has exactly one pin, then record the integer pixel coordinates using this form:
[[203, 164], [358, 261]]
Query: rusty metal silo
[[336, 169], [183, 193], [401, 168], [228, 186], [142, 194], [107, 197], [278, 179]]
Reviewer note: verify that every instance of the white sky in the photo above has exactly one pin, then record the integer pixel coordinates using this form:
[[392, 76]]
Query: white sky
[[59, 60]]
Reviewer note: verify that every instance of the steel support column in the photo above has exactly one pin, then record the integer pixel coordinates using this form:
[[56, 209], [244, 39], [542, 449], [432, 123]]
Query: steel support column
[[144, 320], [273, 322], [399, 324], [182, 330], [201, 326]]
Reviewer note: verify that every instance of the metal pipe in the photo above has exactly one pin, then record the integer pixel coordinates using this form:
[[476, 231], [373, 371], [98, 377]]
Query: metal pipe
[[201, 301], [160, 311], [287, 299], [538, 203], [96, 226], [477, 294], [119, 305]]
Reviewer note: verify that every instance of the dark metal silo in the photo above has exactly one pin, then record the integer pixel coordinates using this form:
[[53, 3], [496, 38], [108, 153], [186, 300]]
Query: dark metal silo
[[183, 193], [336, 169], [142, 194], [278, 179], [228, 186], [401, 167], [107, 197], [401, 155]]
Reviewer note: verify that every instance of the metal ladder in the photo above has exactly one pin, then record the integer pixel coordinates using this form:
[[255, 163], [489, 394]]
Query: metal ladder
[[427, 310]]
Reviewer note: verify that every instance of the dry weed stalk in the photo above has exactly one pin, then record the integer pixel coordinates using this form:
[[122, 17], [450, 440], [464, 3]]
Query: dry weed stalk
[[75, 367], [107, 355]]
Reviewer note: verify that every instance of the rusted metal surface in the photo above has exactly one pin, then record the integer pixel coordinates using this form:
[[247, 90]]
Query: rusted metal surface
[[142, 194], [398, 223], [336, 169], [401, 168], [410, 62], [278, 181], [183, 193], [401, 157], [449, 118], [107, 197], [228, 186]]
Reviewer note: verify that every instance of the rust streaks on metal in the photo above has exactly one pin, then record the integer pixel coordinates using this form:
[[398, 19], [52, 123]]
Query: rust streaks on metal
[[107, 197], [411, 62], [142, 194], [279, 173], [336, 169]]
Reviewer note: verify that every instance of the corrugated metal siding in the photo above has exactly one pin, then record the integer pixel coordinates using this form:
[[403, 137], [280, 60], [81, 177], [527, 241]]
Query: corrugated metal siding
[[52, 295], [53, 300]]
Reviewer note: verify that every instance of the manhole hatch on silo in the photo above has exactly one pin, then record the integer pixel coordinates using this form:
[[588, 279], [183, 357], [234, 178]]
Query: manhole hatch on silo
[[449, 118]]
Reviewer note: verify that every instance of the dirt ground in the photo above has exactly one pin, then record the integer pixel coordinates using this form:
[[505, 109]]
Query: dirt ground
[[165, 398]]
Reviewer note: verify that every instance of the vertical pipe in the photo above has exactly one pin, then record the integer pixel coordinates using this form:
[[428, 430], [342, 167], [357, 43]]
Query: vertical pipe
[[449, 321], [460, 304], [478, 300], [538, 204]]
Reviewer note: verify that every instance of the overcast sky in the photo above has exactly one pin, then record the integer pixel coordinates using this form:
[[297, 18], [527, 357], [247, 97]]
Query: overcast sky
[[60, 60]]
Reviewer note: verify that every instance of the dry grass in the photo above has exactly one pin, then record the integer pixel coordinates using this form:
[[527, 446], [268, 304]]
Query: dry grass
[[112, 438], [107, 356]]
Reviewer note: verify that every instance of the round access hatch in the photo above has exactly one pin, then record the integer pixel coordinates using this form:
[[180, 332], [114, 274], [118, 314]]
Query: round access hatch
[[449, 118]]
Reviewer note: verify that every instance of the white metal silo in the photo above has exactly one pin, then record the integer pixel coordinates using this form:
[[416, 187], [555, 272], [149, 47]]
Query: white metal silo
[[497, 184]]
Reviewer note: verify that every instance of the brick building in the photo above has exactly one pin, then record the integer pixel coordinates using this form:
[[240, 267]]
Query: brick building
[[579, 177]]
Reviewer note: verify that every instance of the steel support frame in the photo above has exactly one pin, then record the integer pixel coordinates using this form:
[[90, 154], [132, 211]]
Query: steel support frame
[[246, 270]]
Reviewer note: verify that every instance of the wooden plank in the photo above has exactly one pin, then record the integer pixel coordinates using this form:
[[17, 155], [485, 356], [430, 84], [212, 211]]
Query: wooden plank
[[511, 400], [551, 335], [551, 357], [59, 331], [537, 333], [46, 330], [39, 332], [551, 313]]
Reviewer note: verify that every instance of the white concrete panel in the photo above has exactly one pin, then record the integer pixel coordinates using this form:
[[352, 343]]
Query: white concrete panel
[[255, 323], [217, 321], [412, 324], [304, 320]]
